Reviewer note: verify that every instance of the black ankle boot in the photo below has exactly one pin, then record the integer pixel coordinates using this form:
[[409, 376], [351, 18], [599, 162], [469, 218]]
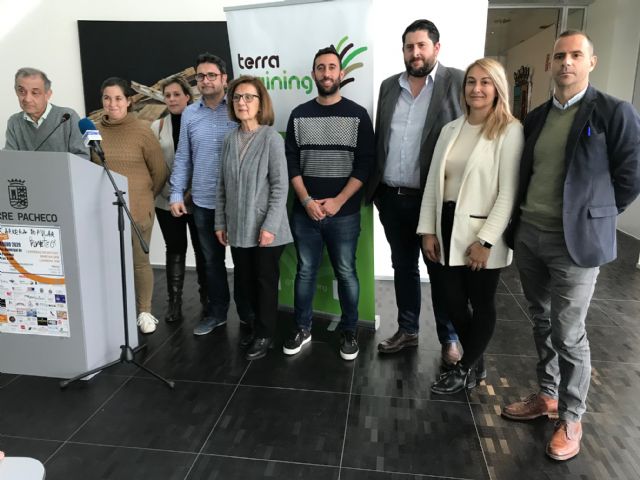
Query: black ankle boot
[[452, 381], [175, 281], [476, 374]]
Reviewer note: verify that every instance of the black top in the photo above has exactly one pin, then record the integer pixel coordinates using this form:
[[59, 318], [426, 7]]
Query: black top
[[328, 144]]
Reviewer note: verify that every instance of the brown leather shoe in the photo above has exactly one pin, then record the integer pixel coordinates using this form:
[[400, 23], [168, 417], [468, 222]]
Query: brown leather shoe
[[534, 406], [450, 353], [565, 441], [397, 342]]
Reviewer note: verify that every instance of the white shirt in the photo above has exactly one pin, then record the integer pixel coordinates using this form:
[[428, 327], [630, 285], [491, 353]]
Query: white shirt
[[402, 167], [572, 101], [41, 119]]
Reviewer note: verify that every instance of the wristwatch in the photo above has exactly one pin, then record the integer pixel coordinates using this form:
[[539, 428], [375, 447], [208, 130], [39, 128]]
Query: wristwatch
[[486, 244]]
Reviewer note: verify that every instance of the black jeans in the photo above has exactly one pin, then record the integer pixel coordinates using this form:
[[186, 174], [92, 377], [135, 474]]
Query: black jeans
[[399, 216], [256, 272], [174, 232], [467, 288]]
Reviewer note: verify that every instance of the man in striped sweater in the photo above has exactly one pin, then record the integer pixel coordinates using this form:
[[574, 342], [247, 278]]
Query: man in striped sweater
[[330, 151]]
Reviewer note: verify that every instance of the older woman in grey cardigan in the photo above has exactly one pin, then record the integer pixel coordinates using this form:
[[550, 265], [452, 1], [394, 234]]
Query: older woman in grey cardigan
[[251, 213]]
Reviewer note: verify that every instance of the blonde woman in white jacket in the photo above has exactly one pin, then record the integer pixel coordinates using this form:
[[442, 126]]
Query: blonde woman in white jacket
[[467, 204]]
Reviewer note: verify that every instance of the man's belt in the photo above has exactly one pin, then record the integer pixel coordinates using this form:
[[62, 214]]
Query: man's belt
[[414, 192]]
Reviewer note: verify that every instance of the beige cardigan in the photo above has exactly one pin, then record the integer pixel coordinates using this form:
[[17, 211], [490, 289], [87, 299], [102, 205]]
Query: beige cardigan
[[487, 193]]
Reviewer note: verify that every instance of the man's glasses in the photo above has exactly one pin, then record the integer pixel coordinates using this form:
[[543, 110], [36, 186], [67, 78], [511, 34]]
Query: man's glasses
[[211, 76], [247, 97]]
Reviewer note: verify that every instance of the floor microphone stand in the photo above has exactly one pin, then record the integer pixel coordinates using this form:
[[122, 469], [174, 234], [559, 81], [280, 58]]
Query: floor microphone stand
[[127, 354]]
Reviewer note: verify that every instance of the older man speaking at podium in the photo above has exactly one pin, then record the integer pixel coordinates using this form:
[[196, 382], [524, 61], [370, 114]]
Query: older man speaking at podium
[[42, 126]]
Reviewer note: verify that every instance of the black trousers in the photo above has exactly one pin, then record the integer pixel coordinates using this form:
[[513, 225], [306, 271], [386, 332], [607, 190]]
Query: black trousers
[[399, 216], [256, 275], [174, 232], [470, 298]]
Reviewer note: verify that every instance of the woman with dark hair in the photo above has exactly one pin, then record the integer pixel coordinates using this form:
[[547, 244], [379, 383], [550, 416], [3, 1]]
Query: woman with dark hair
[[251, 214], [132, 150], [177, 95], [466, 206]]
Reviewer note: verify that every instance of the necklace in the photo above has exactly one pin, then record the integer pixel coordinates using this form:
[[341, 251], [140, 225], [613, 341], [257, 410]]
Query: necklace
[[243, 140]]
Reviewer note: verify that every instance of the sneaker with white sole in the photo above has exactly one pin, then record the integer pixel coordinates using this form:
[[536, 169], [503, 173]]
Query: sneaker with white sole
[[348, 345], [147, 322], [294, 344]]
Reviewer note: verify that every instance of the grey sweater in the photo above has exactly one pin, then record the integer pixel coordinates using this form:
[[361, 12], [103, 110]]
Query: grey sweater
[[252, 194], [23, 135]]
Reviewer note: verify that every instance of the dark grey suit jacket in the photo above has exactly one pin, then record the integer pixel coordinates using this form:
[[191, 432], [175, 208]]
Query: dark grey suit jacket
[[603, 173], [444, 107]]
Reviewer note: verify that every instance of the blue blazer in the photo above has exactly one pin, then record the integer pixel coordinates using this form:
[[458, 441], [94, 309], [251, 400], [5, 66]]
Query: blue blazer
[[602, 173]]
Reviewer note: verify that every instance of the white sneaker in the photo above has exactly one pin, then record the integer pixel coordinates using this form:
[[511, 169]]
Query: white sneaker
[[147, 322]]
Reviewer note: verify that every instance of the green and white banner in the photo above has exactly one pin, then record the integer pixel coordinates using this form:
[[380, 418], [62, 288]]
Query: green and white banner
[[277, 43]]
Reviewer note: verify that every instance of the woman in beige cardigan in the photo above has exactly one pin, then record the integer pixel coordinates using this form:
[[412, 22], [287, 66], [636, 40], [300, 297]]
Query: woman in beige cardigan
[[132, 150], [467, 203]]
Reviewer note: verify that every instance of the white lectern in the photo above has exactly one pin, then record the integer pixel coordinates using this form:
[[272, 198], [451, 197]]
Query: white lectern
[[60, 280]]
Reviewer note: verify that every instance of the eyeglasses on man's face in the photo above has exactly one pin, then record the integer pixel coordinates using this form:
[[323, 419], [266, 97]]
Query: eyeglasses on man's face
[[247, 97], [210, 76]]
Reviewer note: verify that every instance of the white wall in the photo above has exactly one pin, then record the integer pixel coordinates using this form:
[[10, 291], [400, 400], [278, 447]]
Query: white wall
[[389, 23], [44, 34]]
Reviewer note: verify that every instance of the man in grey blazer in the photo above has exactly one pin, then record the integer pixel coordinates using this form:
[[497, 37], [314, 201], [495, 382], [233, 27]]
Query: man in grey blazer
[[413, 106], [580, 168]]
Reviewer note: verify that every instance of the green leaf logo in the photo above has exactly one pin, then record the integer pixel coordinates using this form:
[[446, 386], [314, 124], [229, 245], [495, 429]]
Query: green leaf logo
[[346, 57]]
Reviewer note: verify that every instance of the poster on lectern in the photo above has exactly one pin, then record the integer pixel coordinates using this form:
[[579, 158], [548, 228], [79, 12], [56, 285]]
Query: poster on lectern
[[33, 295]]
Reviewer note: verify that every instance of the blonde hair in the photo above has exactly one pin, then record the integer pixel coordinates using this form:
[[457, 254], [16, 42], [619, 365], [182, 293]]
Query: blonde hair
[[500, 115]]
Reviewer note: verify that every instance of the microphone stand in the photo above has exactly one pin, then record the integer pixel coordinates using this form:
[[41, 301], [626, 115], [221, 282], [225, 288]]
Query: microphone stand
[[127, 354], [65, 117]]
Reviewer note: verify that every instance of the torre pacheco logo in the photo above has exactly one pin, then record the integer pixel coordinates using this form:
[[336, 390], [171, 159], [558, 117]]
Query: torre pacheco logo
[[18, 194], [277, 78]]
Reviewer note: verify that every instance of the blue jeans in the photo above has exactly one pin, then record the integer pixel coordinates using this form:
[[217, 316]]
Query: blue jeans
[[213, 253], [340, 234], [399, 216]]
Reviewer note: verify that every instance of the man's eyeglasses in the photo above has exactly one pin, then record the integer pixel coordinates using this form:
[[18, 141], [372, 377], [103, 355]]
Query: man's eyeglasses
[[247, 97], [211, 76]]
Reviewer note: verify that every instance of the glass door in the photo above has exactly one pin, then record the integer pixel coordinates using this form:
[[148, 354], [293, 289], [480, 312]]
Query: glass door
[[521, 38]]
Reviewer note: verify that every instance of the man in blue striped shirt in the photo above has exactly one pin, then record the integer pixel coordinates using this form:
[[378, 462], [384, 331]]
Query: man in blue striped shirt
[[196, 169]]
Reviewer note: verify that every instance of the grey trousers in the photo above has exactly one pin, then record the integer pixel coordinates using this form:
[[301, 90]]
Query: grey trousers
[[558, 292]]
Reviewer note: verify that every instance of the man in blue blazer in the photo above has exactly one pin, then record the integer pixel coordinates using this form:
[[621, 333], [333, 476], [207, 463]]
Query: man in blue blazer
[[580, 168], [413, 106]]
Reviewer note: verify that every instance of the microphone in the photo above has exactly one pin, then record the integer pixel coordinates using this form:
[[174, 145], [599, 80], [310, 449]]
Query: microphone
[[65, 117], [91, 136]]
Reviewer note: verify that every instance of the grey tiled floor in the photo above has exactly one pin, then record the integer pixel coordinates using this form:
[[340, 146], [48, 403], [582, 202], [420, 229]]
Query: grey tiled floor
[[314, 416]]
